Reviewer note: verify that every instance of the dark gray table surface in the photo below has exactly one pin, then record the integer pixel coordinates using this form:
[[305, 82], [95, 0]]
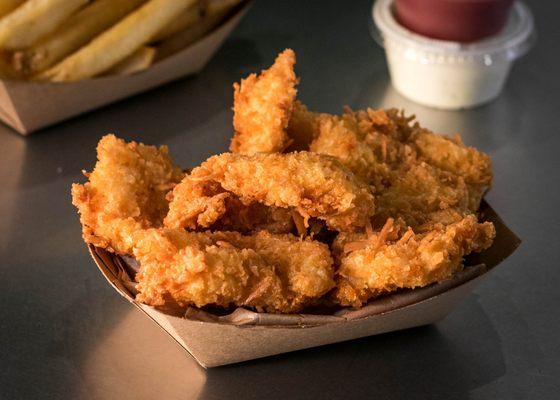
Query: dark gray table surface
[[64, 333]]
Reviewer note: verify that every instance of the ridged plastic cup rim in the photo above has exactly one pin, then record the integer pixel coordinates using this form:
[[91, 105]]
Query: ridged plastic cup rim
[[513, 41]]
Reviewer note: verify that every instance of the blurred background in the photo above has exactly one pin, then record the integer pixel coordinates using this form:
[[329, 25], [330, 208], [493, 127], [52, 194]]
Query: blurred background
[[67, 334]]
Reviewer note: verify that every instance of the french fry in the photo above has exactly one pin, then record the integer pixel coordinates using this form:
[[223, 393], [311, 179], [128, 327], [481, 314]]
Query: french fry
[[138, 61], [189, 17], [118, 42], [216, 11], [7, 6], [33, 20], [73, 34]]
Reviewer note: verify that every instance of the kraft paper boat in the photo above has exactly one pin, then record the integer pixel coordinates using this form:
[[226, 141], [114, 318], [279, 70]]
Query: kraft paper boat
[[242, 335], [28, 106]]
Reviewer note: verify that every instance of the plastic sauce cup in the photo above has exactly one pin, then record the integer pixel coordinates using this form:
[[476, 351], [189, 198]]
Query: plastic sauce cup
[[451, 75]]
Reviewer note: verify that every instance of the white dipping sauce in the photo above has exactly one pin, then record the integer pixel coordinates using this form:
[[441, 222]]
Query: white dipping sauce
[[451, 75]]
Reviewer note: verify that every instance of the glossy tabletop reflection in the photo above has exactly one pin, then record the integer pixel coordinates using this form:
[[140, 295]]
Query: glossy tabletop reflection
[[66, 334]]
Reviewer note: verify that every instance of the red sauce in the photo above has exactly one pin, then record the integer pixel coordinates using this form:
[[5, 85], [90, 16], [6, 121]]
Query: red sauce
[[454, 20]]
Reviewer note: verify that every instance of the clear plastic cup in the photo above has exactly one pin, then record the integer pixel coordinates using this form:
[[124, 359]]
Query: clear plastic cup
[[451, 75]]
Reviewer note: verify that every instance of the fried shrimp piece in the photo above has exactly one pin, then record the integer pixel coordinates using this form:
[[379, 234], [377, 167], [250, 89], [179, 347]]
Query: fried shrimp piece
[[338, 139], [377, 145], [421, 194], [447, 154], [365, 154], [311, 184], [273, 273], [367, 142], [262, 107], [453, 156], [383, 263], [126, 192]]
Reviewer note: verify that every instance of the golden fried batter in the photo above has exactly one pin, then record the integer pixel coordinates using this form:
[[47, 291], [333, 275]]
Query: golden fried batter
[[196, 203], [419, 193], [370, 143], [314, 185], [339, 137], [383, 147], [262, 107], [412, 143], [367, 142], [453, 156], [223, 234], [391, 122], [199, 204], [388, 260], [273, 273], [125, 193]]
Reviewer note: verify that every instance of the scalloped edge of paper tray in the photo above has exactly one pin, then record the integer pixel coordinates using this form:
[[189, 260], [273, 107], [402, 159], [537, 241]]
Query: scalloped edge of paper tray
[[246, 335], [29, 106]]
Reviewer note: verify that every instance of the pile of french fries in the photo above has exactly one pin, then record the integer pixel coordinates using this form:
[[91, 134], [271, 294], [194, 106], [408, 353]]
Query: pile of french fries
[[69, 40]]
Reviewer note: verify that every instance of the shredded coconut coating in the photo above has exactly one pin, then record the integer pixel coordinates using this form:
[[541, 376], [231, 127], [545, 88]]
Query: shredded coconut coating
[[199, 204], [314, 185], [420, 194], [126, 192], [389, 260], [273, 273], [453, 156], [417, 175], [262, 107]]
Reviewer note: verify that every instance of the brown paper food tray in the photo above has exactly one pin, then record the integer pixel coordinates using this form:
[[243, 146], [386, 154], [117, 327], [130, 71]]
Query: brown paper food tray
[[245, 335], [28, 106]]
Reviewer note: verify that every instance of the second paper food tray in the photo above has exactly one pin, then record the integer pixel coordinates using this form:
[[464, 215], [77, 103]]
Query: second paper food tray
[[28, 106]]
